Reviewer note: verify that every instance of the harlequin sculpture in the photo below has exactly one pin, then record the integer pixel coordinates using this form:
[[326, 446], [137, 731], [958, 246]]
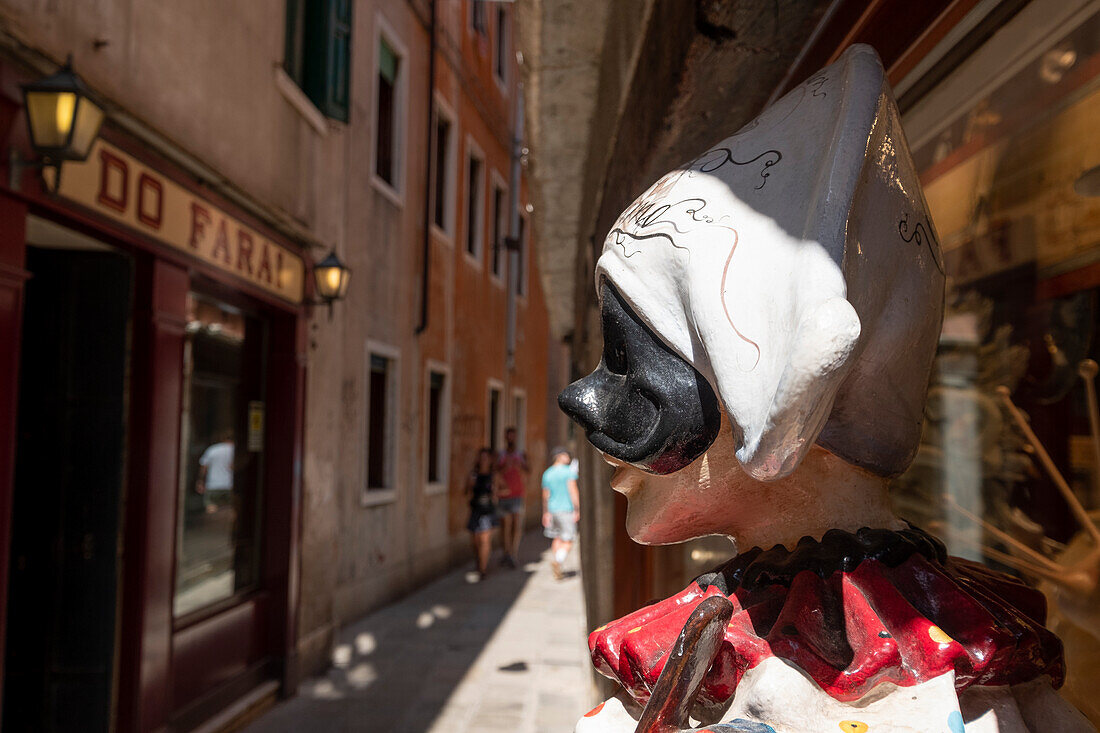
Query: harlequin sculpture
[[770, 313]]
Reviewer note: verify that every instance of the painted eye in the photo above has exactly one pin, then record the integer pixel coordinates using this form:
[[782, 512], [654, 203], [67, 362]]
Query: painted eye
[[853, 726]]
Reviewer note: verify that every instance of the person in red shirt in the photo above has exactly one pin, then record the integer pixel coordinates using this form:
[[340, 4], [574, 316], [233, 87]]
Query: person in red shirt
[[514, 471]]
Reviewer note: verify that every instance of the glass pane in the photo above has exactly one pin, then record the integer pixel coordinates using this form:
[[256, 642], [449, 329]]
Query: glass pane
[[498, 228], [89, 117], [442, 140], [435, 406], [473, 206], [377, 422], [494, 419], [51, 115], [1020, 248], [387, 62], [384, 142], [221, 455]]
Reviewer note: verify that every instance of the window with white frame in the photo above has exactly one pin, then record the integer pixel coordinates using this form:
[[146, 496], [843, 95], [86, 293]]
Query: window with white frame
[[498, 200], [381, 396], [437, 402], [494, 419], [443, 175], [500, 47], [475, 201], [389, 108], [520, 259]]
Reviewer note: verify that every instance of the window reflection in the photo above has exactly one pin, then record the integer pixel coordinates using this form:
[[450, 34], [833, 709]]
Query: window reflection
[[221, 441], [1002, 145]]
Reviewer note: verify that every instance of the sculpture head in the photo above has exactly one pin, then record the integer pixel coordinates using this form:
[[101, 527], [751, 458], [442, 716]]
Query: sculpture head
[[774, 300]]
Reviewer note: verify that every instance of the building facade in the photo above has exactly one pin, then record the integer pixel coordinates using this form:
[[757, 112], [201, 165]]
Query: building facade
[[995, 98], [203, 474]]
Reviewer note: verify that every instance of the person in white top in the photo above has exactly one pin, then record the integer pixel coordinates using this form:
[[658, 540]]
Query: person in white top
[[215, 480]]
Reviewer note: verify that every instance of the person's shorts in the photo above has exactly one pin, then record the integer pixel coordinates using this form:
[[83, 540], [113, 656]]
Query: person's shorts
[[511, 505], [481, 522], [562, 527]]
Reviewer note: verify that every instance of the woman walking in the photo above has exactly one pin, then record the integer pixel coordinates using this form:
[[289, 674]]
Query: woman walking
[[482, 488]]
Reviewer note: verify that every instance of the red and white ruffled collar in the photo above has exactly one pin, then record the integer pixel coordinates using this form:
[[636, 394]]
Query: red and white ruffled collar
[[852, 610]]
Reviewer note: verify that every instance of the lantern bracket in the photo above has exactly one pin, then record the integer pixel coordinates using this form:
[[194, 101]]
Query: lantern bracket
[[18, 163]]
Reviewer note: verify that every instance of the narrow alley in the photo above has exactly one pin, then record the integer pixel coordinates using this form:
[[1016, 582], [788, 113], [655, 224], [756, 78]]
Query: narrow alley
[[506, 654]]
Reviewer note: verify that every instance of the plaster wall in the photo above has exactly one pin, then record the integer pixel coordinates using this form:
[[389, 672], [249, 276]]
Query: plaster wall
[[205, 76]]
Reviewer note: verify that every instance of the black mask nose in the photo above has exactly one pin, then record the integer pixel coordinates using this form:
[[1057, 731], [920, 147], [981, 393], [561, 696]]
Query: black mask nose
[[643, 404]]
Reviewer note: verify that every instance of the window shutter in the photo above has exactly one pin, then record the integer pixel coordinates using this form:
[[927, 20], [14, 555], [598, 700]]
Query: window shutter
[[339, 60], [295, 31], [327, 56]]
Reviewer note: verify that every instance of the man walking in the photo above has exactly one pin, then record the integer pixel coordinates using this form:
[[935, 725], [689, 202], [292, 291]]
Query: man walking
[[561, 505], [513, 469]]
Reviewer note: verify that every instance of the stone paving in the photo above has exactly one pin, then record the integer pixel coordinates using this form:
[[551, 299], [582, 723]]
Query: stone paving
[[505, 654]]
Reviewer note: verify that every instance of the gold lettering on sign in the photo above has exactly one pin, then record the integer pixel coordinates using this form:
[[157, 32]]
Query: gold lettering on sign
[[166, 211], [200, 217], [150, 206]]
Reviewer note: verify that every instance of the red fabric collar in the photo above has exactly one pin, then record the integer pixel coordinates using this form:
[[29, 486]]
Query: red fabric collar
[[883, 615]]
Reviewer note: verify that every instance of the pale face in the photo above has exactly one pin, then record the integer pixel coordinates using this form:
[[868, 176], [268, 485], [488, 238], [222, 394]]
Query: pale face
[[712, 495]]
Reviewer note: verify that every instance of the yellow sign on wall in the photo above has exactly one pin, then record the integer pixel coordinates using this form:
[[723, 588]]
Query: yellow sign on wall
[[117, 185]]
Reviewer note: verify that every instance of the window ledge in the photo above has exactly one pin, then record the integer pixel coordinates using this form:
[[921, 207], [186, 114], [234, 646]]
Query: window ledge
[[387, 190], [473, 259], [377, 497], [442, 235], [293, 94], [435, 489]]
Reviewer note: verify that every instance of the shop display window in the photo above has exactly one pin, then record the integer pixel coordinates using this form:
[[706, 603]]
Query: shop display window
[[1007, 149], [222, 429]]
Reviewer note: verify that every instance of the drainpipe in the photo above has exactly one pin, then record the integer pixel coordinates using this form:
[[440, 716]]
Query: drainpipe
[[425, 265], [514, 243]]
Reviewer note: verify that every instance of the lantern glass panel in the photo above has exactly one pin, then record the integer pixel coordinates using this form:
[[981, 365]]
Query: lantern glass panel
[[345, 280], [51, 116], [89, 118], [329, 281]]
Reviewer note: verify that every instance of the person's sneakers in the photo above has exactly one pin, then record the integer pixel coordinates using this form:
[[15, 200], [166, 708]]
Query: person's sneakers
[[509, 562], [556, 567]]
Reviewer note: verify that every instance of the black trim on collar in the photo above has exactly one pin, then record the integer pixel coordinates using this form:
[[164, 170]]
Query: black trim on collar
[[836, 551]]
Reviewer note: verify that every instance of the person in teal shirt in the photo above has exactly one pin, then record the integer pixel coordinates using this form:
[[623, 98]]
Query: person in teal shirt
[[561, 507]]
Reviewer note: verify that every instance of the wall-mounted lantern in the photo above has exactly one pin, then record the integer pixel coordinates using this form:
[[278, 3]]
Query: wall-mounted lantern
[[63, 117], [331, 278]]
